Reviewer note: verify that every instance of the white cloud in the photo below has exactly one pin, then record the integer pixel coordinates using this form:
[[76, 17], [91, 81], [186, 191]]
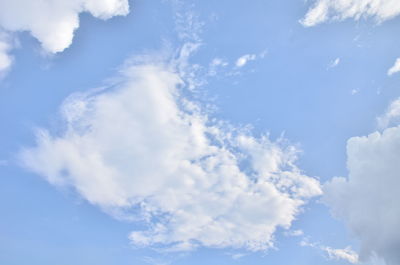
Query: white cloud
[[391, 115], [395, 68], [344, 254], [143, 151], [333, 253], [53, 22], [243, 60], [215, 65], [324, 10], [5, 58], [368, 199], [334, 63]]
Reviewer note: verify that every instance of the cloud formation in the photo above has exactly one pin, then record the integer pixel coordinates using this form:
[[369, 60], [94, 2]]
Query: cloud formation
[[324, 10], [346, 254], [244, 59], [52, 23], [141, 150], [395, 68], [391, 116], [368, 199]]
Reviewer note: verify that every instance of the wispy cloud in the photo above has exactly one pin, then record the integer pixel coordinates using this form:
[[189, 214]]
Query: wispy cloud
[[215, 65], [324, 10], [346, 254], [246, 58], [334, 63], [294, 233]]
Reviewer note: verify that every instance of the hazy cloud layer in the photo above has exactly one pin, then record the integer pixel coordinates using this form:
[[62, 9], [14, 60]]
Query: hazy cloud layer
[[324, 10], [141, 150], [368, 199]]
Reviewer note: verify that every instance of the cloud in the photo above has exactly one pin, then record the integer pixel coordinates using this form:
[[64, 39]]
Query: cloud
[[141, 150], [324, 10], [5, 58], [391, 115], [332, 253], [215, 65], [52, 23], [294, 233], [367, 200], [344, 254], [354, 91], [243, 60], [334, 63], [395, 68]]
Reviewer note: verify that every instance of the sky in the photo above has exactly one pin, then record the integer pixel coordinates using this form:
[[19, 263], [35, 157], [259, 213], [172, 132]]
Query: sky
[[171, 132]]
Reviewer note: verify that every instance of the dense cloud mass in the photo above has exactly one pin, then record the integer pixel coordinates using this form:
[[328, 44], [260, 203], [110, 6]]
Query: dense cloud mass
[[368, 200], [141, 150], [324, 10]]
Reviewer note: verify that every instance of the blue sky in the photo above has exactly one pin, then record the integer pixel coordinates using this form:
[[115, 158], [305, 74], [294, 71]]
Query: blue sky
[[193, 132]]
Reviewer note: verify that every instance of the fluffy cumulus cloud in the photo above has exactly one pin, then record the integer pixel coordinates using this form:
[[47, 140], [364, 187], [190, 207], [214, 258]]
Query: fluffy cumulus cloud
[[51, 22], [324, 10], [142, 150], [368, 200], [395, 68]]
